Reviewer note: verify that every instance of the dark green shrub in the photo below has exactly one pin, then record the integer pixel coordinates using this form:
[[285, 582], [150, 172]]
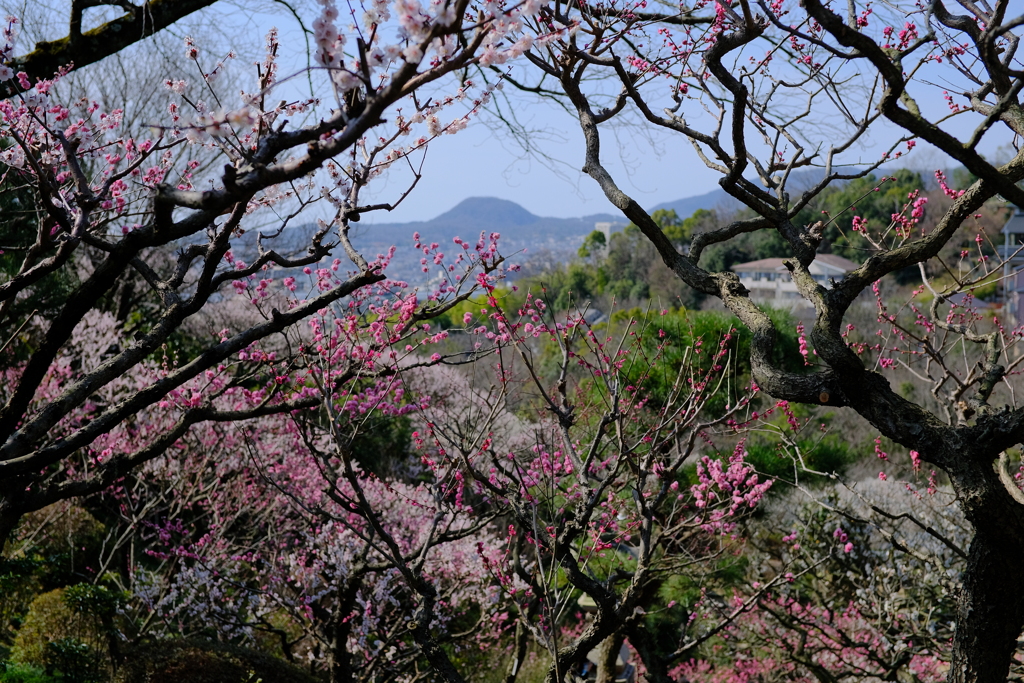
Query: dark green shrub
[[75, 661], [198, 661]]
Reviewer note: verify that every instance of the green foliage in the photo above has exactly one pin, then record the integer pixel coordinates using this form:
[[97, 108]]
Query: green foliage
[[828, 454], [674, 227], [870, 198], [381, 444], [22, 673], [76, 661], [53, 617], [679, 593], [626, 268], [18, 586], [701, 221], [867, 197], [66, 538], [750, 246], [962, 178], [684, 340], [15, 571], [198, 661], [688, 341], [820, 450], [987, 291], [508, 299], [52, 549], [99, 601], [563, 286], [592, 244], [46, 611]]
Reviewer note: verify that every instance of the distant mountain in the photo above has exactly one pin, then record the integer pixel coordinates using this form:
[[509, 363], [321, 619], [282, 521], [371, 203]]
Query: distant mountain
[[488, 214], [524, 235], [686, 207], [486, 210], [521, 231]]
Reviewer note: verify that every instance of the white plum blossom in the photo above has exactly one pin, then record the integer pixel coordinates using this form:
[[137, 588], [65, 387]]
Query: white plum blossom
[[456, 126], [377, 14], [345, 80], [444, 12], [444, 48], [330, 43], [520, 46], [177, 87], [491, 56], [414, 23], [434, 125], [10, 33], [13, 157], [413, 54]]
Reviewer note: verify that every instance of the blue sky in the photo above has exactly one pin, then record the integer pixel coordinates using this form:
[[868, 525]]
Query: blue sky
[[482, 160], [652, 166]]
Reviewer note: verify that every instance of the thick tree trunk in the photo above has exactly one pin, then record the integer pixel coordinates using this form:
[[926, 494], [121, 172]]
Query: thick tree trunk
[[990, 610], [608, 658]]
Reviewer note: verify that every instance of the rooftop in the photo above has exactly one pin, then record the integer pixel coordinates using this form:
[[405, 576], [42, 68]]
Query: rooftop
[[822, 263], [1015, 225]]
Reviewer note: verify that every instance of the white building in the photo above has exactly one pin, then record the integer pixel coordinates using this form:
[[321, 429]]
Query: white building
[[770, 280], [1012, 255], [607, 228]]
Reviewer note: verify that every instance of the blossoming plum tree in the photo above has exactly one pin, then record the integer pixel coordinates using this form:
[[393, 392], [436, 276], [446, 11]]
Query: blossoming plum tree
[[879, 602], [269, 530], [108, 199], [303, 571], [368, 571], [764, 89], [591, 484], [266, 522]]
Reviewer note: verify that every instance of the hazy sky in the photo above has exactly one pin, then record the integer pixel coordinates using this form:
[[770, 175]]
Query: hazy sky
[[485, 160], [482, 160]]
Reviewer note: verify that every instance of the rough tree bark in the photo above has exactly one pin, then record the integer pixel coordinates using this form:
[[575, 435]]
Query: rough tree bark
[[79, 49]]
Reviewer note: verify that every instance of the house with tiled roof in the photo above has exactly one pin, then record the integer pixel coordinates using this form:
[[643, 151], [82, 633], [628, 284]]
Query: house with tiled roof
[[769, 279]]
